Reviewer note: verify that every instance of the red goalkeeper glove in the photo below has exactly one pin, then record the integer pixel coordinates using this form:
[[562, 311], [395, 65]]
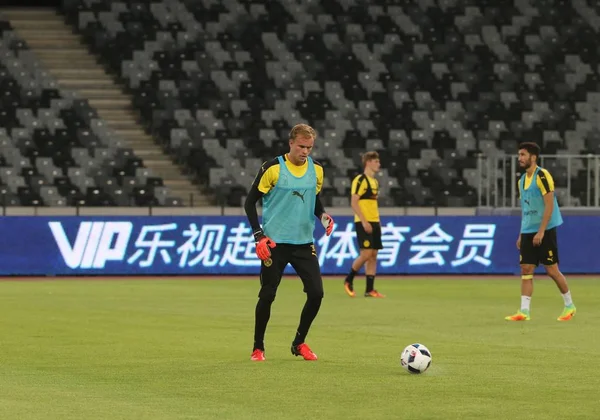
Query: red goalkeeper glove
[[327, 222], [263, 243]]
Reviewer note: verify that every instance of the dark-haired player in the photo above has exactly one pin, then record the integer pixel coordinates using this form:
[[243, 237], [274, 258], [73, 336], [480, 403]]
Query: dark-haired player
[[537, 240]]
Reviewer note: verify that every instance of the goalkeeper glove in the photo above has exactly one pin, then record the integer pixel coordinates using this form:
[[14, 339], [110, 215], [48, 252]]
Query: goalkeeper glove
[[263, 243], [327, 222]]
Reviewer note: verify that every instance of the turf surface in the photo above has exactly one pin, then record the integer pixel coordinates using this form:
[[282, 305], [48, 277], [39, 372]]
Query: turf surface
[[179, 349]]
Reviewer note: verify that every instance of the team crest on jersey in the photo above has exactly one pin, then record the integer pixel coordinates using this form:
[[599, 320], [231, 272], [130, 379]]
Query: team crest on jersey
[[268, 262], [366, 243]]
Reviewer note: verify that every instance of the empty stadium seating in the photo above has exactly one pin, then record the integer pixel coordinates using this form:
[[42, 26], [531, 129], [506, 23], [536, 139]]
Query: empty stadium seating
[[54, 150], [431, 84]]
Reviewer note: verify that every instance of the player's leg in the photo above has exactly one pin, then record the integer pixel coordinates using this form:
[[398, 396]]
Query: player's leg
[[271, 272], [362, 237], [371, 265], [549, 255], [523, 314], [529, 259], [363, 258], [371, 270], [305, 262], [561, 282]]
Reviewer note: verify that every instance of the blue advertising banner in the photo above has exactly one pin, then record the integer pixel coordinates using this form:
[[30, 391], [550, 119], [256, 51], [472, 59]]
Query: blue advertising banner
[[224, 245]]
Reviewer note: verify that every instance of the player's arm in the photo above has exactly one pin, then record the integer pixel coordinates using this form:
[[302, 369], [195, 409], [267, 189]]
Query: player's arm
[[359, 186], [325, 219], [319, 207], [264, 181], [546, 186], [519, 237], [250, 207], [356, 208]]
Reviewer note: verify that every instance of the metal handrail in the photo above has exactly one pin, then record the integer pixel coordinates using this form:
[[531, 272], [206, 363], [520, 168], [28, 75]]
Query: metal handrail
[[492, 169]]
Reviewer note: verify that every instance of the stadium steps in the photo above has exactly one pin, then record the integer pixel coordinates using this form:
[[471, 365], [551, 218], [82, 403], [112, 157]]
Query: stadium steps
[[75, 69]]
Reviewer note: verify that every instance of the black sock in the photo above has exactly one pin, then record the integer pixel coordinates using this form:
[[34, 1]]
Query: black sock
[[309, 313], [262, 315], [370, 283], [350, 276]]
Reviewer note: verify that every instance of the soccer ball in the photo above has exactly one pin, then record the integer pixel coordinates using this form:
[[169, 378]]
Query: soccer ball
[[416, 358]]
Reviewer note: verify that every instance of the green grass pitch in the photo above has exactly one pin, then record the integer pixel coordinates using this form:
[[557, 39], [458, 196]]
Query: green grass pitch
[[179, 349]]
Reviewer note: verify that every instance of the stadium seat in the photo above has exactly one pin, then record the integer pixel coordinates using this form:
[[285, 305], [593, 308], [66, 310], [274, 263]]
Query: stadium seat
[[431, 85], [52, 144]]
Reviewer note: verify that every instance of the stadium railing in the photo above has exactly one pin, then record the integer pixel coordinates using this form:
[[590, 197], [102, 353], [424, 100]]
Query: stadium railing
[[576, 178]]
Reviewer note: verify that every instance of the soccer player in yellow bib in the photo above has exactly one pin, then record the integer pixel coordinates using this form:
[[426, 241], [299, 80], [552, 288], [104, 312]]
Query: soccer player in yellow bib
[[364, 190]]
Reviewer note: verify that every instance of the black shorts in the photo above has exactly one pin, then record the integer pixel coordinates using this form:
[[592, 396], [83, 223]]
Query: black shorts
[[304, 260], [368, 240], [545, 254]]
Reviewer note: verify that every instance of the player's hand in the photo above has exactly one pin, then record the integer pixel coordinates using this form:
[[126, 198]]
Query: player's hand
[[538, 238], [367, 226], [263, 245], [519, 242], [327, 222]]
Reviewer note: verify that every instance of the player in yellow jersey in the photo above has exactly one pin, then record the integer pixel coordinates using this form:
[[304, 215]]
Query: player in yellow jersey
[[365, 189]]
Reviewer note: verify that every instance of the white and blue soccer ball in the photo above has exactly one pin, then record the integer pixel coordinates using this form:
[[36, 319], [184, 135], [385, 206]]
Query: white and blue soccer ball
[[416, 358]]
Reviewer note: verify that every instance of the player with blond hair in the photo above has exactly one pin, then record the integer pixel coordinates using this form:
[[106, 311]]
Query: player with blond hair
[[289, 186]]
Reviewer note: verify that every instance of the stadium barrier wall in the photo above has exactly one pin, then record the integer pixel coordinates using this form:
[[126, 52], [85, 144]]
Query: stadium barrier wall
[[223, 245]]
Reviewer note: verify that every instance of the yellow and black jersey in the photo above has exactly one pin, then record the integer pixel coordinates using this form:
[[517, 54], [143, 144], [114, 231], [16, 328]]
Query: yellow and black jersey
[[267, 178], [544, 182], [367, 189], [269, 174]]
